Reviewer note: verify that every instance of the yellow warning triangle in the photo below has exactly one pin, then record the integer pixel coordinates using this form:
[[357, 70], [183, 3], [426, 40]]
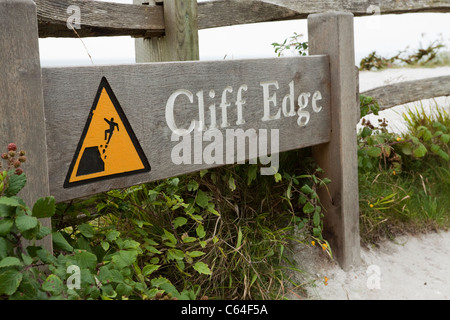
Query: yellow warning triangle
[[108, 147]]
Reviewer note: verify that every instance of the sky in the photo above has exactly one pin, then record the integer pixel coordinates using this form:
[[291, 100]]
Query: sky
[[386, 34]]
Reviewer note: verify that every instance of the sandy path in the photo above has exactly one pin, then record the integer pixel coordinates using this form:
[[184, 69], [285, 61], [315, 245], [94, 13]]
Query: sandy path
[[412, 267]]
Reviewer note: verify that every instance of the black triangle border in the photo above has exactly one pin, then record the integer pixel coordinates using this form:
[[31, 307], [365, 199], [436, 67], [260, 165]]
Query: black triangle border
[[104, 84]]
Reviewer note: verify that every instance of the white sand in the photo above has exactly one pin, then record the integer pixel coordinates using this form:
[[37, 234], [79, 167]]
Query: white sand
[[411, 268], [369, 80], [408, 268]]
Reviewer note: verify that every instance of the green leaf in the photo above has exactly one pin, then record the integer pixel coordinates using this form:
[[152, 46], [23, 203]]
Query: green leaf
[[44, 208], [212, 210], [86, 230], [149, 269], [26, 222], [124, 289], [27, 260], [169, 236], [60, 242], [445, 138], [231, 184], [112, 235], [153, 250], [43, 232], [130, 244], [158, 282], [203, 172], [202, 268], [178, 222], [251, 175], [10, 281], [239, 238], [196, 254], [86, 260], [435, 148], [15, 184], [5, 226], [105, 245], [53, 284], [188, 239], [200, 231], [278, 177], [124, 258], [192, 185], [202, 199], [316, 219], [420, 151], [406, 149], [7, 211], [374, 152], [308, 208], [13, 202], [366, 132], [306, 189], [175, 254], [3, 248], [317, 232], [10, 262]]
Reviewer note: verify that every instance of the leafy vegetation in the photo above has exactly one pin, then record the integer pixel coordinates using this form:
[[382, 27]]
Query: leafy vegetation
[[429, 56], [221, 233], [404, 179]]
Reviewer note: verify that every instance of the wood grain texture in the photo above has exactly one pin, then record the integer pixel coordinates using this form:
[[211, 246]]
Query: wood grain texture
[[99, 19], [143, 91], [21, 103], [409, 91], [180, 42], [113, 19], [233, 12], [332, 34]]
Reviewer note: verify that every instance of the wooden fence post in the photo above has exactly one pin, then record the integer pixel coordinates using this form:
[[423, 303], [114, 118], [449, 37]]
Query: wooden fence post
[[332, 34], [22, 118], [180, 42]]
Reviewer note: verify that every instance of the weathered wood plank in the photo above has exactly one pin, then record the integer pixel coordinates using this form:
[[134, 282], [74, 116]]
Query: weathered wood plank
[[180, 42], [98, 19], [409, 91], [233, 12], [21, 104], [113, 19], [143, 91], [332, 34]]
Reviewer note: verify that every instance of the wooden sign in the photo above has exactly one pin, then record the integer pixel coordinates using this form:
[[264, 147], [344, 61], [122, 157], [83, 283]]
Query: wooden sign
[[179, 117]]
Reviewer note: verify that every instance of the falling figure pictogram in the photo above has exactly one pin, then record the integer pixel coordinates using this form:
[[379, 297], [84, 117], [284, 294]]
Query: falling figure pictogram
[[112, 126]]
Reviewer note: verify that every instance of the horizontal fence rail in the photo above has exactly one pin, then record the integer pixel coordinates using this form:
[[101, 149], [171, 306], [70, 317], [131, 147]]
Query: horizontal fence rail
[[409, 91], [113, 19], [59, 18]]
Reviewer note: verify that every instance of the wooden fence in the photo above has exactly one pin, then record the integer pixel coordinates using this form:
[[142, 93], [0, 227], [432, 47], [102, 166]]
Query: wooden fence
[[59, 114]]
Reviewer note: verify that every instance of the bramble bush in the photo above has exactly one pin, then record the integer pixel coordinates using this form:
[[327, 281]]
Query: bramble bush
[[221, 233]]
